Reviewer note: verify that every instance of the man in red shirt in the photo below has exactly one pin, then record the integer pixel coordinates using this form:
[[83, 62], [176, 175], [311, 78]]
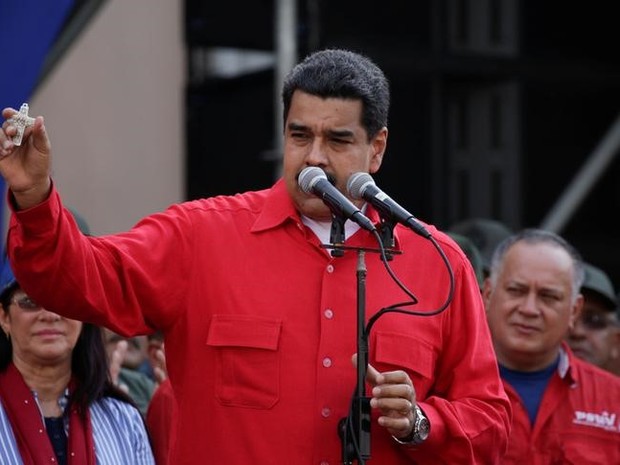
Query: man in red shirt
[[565, 410], [161, 418], [260, 318], [595, 337]]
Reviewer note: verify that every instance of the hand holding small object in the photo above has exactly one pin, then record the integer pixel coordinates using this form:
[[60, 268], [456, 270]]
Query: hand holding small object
[[26, 167], [21, 121]]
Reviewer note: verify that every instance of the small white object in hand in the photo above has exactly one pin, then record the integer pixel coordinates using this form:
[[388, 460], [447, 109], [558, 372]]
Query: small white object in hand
[[21, 121]]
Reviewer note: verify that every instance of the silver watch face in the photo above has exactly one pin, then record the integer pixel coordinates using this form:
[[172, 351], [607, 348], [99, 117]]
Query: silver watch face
[[422, 426]]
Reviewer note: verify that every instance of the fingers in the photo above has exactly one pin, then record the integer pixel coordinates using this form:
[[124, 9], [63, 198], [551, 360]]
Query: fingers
[[159, 370], [395, 399], [34, 126], [394, 396], [8, 112], [160, 355], [398, 426], [40, 140], [372, 375], [6, 148], [6, 134], [160, 375]]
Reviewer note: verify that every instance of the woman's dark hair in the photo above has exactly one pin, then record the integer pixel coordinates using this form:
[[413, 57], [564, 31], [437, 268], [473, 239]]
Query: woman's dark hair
[[89, 363], [335, 73]]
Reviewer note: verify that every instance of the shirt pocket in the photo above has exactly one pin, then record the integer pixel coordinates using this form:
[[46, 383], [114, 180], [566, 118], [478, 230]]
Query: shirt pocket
[[406, 352], [248, 360], [590, 447]]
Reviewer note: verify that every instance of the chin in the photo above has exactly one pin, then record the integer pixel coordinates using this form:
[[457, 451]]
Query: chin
[[315, 209]]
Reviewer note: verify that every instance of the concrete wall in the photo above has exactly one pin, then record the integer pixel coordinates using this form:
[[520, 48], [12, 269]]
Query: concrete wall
[[113, 107]]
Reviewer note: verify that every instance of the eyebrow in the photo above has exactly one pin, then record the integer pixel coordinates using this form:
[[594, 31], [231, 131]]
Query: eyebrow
[[342, 133], [296, 127]]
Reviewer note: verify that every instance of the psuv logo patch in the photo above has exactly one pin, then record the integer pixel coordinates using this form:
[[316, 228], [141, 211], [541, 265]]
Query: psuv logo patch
[[604, 420]]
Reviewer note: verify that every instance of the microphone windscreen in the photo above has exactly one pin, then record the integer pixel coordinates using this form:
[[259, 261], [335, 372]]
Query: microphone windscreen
[[308, 177], [358, 183]]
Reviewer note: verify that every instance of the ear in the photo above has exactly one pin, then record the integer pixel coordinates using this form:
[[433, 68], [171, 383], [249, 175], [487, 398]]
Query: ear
[[615, 348], [377, 146], [5, 320], [486, 292], [575, 311]]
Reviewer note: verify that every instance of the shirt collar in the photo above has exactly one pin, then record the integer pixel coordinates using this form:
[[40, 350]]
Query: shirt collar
[[278, 208], [566, 366]]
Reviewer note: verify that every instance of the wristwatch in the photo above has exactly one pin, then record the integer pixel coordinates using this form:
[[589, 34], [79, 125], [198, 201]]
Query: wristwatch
[[419, 433]]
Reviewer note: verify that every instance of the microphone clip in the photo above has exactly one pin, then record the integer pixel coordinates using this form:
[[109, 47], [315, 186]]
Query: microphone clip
[[386, 232], [337, 235]]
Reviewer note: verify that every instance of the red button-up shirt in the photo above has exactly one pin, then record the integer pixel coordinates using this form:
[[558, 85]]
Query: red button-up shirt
[[260, 324], [578, 421]]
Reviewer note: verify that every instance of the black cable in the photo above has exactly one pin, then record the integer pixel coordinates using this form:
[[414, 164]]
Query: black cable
[[348, 427]]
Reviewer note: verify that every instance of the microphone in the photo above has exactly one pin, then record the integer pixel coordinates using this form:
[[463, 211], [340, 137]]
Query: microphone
[[362, 186], [313, 180]]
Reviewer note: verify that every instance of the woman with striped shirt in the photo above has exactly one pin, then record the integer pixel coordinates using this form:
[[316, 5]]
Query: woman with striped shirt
[[57, 403]]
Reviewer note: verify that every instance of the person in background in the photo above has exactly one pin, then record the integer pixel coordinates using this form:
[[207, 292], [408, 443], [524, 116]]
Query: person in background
[[595, 337], [565, 410], [138, 385], [57, 403], [473, 254], [161, 422], [162, 416], [156, 356], [81, 222], [485, 233], [137, 356], [615, 367], [259, 317]]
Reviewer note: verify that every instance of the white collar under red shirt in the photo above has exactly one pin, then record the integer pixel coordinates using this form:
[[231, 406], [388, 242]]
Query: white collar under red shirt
[[322, 229]]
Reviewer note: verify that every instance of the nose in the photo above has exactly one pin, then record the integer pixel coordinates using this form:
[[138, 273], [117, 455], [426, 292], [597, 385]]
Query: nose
[[529, 305], [316, 155], [46, 315]]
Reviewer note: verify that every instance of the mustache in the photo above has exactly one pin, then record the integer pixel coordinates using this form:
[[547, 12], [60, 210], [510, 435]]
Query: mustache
[[331, 178]]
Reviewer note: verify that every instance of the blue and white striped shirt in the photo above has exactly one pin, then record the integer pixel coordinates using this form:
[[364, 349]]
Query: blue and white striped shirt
[[119, 435]]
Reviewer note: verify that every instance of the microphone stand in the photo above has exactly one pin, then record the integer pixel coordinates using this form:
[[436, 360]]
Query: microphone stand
[[354, 430]]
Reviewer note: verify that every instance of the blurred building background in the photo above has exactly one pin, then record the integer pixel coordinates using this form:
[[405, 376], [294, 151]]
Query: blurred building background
[[503, 109]]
